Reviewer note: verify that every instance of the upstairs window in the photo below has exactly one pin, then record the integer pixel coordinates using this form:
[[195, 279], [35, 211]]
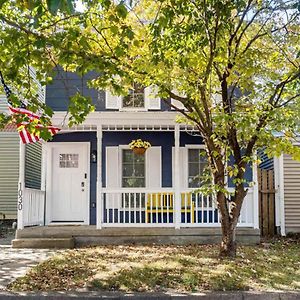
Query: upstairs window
[[135, 97]]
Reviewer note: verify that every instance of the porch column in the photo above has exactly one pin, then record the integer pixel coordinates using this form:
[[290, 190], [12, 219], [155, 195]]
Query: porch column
[[99, 178], [177, 203], [255, 197], [21, 186], [43, 176], [278, 168]]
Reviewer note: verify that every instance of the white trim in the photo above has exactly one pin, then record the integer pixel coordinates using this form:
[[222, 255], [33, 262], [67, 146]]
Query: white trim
[[186, 165], [277, 196], [21, 187], [48, 208], [129, 118], [280, 195], [50, 147], [147, 162], [43, 177], [177, 194], [132, 109], [255, 197], [126, 147], [195, 146], [43, 167], [88, 182], [99, 179]]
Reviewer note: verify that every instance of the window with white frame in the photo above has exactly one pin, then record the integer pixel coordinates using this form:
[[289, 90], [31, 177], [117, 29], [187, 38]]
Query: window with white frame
[[133, 176], [135, 97], [133, 169], [197, 162]]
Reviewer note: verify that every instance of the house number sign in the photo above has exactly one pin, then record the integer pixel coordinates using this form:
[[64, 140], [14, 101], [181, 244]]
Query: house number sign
[[20, 197]]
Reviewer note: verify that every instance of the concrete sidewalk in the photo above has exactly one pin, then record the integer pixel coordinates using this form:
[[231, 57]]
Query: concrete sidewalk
[[152, 296], [15, 262]]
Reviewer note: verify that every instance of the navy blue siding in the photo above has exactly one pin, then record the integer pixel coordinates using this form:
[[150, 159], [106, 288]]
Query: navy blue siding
[[266, 162], [190, 139], [164, 139], [66, 84]]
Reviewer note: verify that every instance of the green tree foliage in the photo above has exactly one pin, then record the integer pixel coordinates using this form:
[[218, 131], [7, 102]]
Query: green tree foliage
[[234, 65]]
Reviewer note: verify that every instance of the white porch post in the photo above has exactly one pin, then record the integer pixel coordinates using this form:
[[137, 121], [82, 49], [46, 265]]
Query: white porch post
[[43, 167], [21, 186], [177, 177], [279, 196], [99, 178], [43, 177], [255, 197]]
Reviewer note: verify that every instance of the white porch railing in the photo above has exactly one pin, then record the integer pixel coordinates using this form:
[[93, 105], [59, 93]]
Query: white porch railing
[[33, 207], [156, 208]]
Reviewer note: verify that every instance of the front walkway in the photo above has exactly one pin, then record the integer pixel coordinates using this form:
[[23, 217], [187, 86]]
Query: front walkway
[[15, 262]]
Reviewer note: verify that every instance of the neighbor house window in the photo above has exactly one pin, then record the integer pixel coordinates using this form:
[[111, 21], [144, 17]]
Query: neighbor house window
[[135, 97], [197, 162]]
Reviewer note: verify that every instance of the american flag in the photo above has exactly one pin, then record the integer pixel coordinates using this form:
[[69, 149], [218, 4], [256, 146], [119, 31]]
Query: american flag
[[25, 135]]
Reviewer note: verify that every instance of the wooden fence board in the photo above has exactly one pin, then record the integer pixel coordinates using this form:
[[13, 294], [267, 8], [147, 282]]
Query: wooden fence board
[[266, 202]]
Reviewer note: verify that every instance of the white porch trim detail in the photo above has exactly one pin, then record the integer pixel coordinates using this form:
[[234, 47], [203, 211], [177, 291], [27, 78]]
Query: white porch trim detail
[[177, 177], [99, 179], [21, 187], [279, 195], [255, 197]]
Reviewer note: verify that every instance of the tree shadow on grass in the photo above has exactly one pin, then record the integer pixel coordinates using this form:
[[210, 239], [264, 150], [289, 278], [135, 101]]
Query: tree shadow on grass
[[143, 279]]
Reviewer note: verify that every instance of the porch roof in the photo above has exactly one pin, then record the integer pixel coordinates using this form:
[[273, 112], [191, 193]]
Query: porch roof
[[125, 121]]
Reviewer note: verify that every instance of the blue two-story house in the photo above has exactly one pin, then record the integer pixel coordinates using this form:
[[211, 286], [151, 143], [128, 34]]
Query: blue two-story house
[[96, 186]]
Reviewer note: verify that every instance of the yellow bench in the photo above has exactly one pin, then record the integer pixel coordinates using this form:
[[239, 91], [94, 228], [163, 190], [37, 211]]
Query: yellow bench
[[164, 203]]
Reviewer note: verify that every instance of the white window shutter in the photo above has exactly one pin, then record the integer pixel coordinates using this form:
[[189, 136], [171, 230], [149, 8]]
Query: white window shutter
[[183, 156], [153, 167], [177, 103], [183, 164], [151, 100], [112, 101], [112, 167]]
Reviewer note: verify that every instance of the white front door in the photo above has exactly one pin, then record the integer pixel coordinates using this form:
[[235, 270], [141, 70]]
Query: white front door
[[69, 188]]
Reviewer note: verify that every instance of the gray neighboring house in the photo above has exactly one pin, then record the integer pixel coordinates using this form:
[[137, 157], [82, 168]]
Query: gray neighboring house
[[287, 183], [287, 191], [10, 159], [9, 168]]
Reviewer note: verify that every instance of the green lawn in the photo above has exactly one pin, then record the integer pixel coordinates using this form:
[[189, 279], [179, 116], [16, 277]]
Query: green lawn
[[167, 268]]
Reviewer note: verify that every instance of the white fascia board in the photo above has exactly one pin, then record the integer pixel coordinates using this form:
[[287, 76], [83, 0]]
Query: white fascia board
[[123, 118]]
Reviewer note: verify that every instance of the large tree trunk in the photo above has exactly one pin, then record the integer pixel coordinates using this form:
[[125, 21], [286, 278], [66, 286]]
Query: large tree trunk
[[229, 222], [228, 244]]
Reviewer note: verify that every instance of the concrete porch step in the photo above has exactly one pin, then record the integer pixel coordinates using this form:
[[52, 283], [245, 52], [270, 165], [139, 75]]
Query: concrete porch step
[[44, 243], [87, 235]]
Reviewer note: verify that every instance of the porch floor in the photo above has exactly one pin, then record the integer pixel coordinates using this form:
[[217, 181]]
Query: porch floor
[[84, 235]]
